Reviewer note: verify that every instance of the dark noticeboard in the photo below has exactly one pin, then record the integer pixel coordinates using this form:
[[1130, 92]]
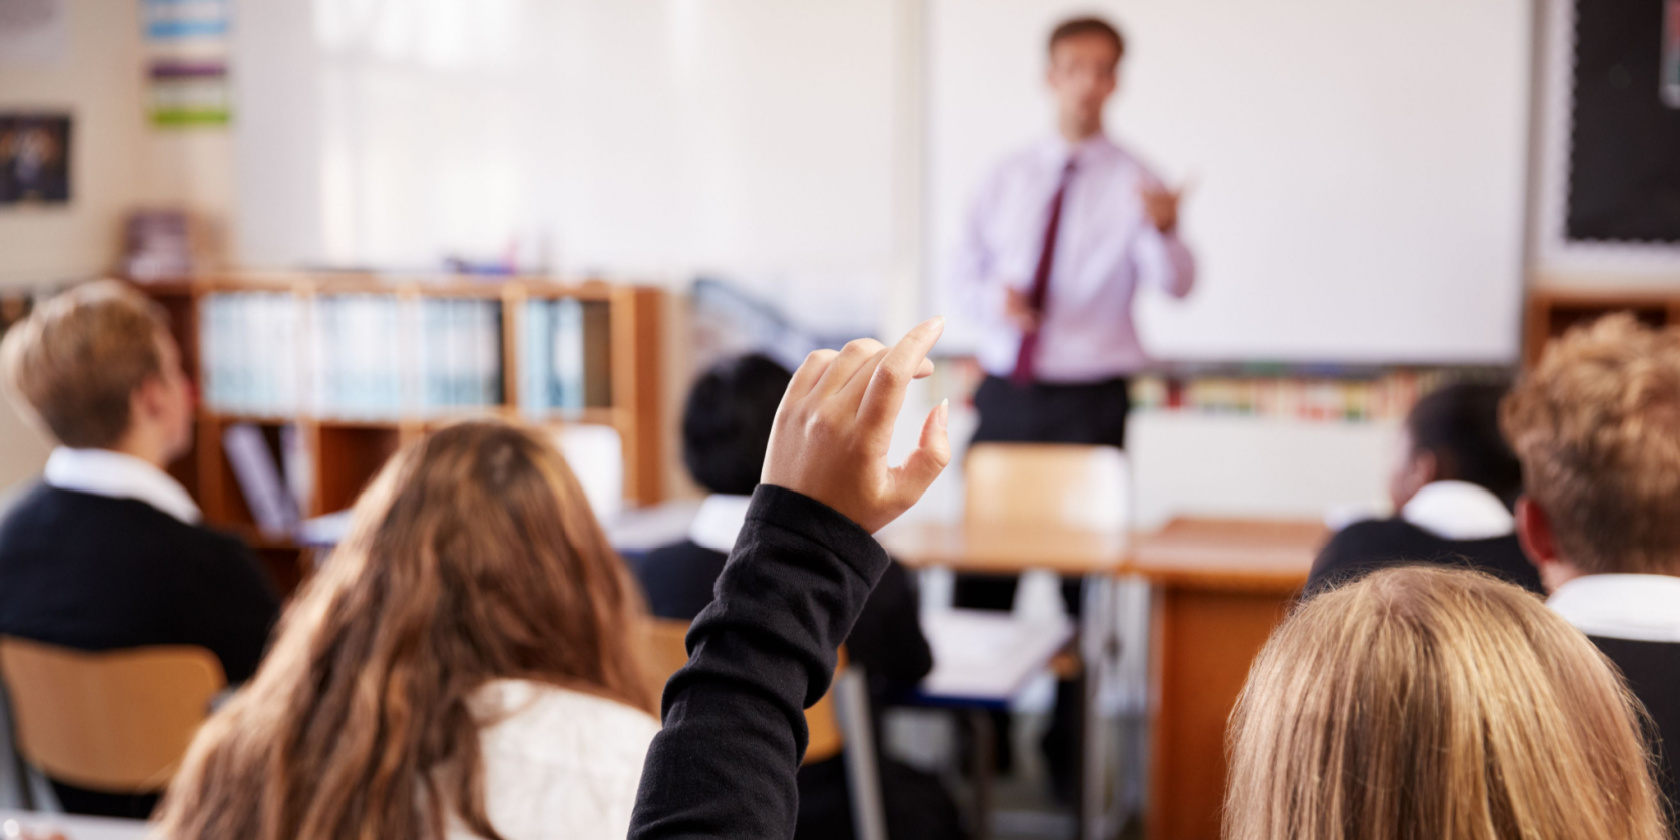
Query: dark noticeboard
[[1624, 157]]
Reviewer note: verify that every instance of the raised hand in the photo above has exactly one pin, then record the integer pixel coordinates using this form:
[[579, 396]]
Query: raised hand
[[1018, 310], [1160, 204], [835, 423]]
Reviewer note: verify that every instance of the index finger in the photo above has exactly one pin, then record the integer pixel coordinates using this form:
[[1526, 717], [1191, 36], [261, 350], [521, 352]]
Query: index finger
[[885, 395]]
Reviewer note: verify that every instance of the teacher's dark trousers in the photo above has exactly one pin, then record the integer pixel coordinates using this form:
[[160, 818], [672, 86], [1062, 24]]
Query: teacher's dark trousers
[[1087, 413]]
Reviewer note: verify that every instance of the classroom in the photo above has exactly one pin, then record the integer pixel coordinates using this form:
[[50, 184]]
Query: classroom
[[875, 419]]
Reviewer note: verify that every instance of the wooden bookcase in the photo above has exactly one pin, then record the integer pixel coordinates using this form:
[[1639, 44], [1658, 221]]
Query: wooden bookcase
[[345, 454], [1551, 312]]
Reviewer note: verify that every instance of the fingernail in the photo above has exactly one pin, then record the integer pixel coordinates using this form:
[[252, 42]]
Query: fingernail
[[937, 322], [944, 413]]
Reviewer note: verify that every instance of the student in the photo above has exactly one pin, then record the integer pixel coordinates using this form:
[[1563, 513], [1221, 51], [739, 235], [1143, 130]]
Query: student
[[1428, 702], [726, 763], [1597, 426], [107, 552], [1453, 491], [461, 666], [726, 428]]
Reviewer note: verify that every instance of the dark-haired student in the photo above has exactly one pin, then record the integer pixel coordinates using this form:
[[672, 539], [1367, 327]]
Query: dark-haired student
[[1597, 426], [726, 426], [107, 551], [1453, 492]]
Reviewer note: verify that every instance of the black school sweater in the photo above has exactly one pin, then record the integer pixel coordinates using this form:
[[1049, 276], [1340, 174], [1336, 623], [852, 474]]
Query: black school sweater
[[886, 641], [726, 763], [1652, 670], [96, 573], [1364, 547]]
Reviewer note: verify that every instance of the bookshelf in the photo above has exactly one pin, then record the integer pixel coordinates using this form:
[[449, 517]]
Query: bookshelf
[[1551, 312], [400, 343]]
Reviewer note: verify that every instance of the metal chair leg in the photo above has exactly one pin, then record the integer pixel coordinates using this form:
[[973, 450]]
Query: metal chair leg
[[863, 768]]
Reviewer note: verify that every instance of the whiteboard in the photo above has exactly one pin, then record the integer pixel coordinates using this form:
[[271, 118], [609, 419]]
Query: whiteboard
[[643, 139], [1358, 166]]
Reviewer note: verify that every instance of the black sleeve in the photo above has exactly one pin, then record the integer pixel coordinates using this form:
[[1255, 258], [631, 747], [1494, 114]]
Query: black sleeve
[[232, 606], [888, 640], [725, 764]]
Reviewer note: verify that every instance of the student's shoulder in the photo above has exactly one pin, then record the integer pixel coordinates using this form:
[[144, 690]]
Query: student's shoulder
[[528, 720], [1376, 533], [1361, 545], [685, 558]]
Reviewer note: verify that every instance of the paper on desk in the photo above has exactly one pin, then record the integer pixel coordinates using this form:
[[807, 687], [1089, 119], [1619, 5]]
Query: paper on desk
[[982, 655]]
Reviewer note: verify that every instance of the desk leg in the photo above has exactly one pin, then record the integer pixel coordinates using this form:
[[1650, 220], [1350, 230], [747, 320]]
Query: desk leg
[[1098, 649]]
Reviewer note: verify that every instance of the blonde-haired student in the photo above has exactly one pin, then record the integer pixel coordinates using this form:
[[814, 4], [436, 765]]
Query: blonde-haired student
[[1428, 702], [1597, 426], [464, 665], [107, 551]]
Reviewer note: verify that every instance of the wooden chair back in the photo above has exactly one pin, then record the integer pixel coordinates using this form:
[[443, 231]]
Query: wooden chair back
[[116, 721], [666, 651], [1047, 484]]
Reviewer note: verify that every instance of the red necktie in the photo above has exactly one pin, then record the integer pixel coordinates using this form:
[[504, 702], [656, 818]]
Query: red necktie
[[1040, 293]]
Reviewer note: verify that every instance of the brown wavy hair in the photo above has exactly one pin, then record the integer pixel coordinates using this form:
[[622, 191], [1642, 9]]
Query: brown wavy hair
[[1425, 702], [472, 557]]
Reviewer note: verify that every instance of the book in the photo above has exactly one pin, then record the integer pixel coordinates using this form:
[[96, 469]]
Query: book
[[254, 467]]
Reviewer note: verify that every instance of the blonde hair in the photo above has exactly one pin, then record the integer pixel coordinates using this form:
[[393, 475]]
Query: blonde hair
[[1422, 702], [77, 359], [472, 557], [1597, 427]]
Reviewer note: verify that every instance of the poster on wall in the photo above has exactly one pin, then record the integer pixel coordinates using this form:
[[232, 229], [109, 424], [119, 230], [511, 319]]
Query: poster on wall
[[34, 159], [187, 56]]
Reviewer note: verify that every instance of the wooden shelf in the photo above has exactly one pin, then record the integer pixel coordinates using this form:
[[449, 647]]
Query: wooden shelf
[[1552, 312], [346, 452]]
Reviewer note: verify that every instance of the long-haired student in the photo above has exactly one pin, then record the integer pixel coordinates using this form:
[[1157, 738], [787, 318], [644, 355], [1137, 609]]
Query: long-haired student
[[461, 666], [1426, 702]]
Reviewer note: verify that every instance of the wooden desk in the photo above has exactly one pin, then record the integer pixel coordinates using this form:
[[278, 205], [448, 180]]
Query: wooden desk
[[1221, 586], [1004, 550]]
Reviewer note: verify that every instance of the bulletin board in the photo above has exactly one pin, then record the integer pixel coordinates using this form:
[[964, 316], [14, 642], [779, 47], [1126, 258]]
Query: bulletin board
[[1624, 155]]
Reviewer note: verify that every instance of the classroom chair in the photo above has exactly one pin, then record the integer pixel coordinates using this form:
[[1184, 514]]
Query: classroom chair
[[1076, 487], [839, 722], [116, 721]]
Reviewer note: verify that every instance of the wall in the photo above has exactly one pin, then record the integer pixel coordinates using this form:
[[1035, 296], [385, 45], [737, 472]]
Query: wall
[[99, 80]]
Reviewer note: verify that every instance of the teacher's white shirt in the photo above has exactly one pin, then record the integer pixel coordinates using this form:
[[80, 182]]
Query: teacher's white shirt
[[1106, 248]]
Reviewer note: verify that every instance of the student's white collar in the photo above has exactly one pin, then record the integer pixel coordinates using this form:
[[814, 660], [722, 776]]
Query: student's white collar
[[719, 521], [1459, 510], [102, 472], [1641, 608]]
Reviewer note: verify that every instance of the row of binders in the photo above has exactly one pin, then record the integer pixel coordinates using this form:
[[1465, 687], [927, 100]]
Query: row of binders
[[381, 357], [564, 362]]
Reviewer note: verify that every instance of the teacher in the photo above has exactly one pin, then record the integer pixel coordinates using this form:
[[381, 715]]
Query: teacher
[[1060, 238]]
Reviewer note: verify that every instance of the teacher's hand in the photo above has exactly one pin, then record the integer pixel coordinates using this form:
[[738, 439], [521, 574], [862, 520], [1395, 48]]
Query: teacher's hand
[[1160, 204], [1019, 311], [835, 423]]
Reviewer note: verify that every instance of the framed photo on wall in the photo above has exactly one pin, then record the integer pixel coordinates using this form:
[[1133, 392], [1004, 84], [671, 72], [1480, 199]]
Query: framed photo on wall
[[34, 158]]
